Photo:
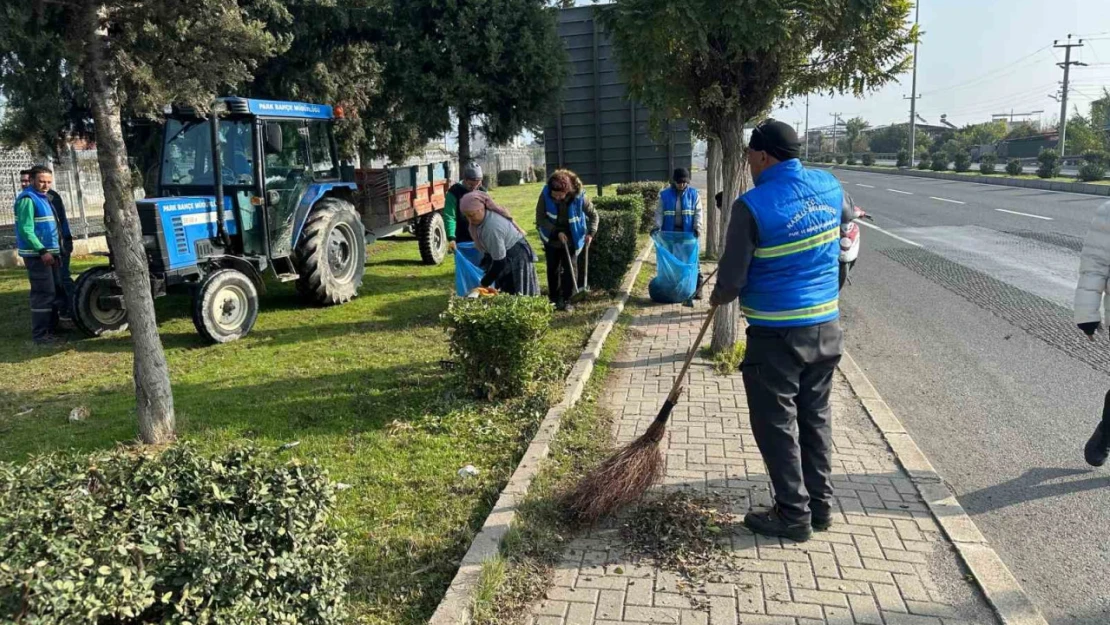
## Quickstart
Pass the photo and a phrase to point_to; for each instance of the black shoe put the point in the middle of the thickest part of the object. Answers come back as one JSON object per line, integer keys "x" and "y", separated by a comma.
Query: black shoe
{"x": 821, "y": 522}
{"x": 1098, "y": 447}
{"x": 49, "y": 341}
{"x": 771, "y": 523}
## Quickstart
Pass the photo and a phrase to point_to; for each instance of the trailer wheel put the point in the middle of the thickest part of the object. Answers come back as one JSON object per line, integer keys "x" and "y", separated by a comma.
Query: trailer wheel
{"x": 225, "y": 306}
{"x": 433, "y": 238}
{"x": 331, "y": 255}
{"x": 88, "y": 315}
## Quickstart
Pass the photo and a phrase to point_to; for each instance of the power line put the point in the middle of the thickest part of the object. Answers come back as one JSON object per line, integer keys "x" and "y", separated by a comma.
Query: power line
{"x": 990, "y": 76}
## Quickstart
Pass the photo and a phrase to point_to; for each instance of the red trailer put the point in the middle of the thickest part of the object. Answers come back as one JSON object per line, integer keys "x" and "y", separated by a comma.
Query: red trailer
{"x": 406, "y": 199}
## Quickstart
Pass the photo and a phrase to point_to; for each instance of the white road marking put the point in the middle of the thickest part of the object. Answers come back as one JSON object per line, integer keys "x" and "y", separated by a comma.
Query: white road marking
{"x": 897, "y": 191}
{"x": 1003, "y": 210}
{"x": 888, "y": 233}
{"x": 944, "y": 199}
{"x": 866, "y": 186}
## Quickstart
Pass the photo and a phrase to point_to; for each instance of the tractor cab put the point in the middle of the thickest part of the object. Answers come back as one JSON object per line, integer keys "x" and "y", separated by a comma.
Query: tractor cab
{"x": 287, "y": 209}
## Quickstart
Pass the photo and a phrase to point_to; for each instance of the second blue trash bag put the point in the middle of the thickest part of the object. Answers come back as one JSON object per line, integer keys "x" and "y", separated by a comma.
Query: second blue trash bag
{"x": 676, "y": 256}
{"x": 468, "y": 272}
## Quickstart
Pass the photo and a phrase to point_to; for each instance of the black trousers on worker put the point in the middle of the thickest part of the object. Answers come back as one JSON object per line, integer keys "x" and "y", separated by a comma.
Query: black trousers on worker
{"x": 49, "y": 299}
{"x": 560, "y": 284}
{"x": 788, "y": 375}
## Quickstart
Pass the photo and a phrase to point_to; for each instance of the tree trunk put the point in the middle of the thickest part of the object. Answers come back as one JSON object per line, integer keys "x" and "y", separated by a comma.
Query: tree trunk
{"x": 464, "y": 138}
{"x": 713, "y": 214}
{"x": 737, "y": 179}
{"x": 154, "y": 398}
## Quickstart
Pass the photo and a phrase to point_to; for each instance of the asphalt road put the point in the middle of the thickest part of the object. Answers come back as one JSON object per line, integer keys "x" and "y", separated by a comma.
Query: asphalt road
{"x": 960, "y": 313}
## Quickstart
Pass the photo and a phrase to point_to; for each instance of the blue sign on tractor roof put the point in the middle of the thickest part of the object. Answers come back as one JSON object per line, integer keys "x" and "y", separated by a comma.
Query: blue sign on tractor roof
{"x": 276, "y": 108}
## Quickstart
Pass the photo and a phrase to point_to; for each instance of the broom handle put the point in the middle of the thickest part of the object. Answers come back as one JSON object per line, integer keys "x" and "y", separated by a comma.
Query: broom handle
{"x": 676, "y": 390}
{"x": 571, "y": 263}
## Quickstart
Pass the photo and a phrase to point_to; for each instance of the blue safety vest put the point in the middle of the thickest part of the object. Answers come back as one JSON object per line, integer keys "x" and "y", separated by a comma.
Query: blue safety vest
{"x": 46, "y": 225}
{"x": 792, "y": 280}
{"x": 576, "y": 215}
{"x": 676, "y": 219}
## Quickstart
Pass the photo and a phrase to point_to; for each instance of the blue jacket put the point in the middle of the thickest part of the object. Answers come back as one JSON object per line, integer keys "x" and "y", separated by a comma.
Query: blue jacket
{"x": 674, "y": 218}
{"x": 44, "y": 226}
{"x": 792, "y": 280}
{"x": 576, "y": 215}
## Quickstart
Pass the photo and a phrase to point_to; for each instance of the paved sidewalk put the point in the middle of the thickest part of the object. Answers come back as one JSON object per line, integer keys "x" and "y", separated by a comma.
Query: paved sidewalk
{"x": 884, "y": 562}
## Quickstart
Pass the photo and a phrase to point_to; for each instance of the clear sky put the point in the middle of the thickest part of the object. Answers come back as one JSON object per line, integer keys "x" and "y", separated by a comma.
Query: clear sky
{"x": 979, "y": 57}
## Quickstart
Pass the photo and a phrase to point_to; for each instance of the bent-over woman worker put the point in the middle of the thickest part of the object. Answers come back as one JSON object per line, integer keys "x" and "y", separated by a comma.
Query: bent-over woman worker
{"x": 509, "y": 268}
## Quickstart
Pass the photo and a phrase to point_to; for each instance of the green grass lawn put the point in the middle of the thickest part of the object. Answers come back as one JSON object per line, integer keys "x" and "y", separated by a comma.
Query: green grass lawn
{"x": 359, "y": 385}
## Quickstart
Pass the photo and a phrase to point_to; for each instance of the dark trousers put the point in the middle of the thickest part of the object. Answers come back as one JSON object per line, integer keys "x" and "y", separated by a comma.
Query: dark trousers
{"x": 48, "y": 296}
{"x": 788, "y": 375}
{"x": 68, "y": 286}
{"x": 560, "y": 284}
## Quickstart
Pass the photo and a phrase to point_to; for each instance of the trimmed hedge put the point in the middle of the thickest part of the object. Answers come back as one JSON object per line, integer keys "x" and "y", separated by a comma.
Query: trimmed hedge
{"x": 509, "y": 177}
{"x": 903, "y": 158}
{"x": 169, "y": 537}
{"x": 1094, "y": 166}
{"x": 839, "y": 159}
{"x": 1014, "y": 167}
{"x": 496, "y": 342}
{"x": 962, "y": 161}
{"x": 614, "y": 247}
{"x": 1050, "y": 163}
{"x": 940, "y": 162}
{"x": 851, "y": 159}
{"x": 923, "y": 164}
{"x": 539, "y": 174}
{"x": 986, "y": 164}
{"x": 649, "y": 190}
{"x": 868, "y": 159}
{"x": 623, "y": 203}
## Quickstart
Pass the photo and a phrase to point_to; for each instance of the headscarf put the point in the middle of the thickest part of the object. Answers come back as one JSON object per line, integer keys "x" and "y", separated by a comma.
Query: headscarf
{"x": 473, "y": 200}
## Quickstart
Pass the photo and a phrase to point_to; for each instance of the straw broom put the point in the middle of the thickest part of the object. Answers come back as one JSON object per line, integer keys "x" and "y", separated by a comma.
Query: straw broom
{"x": 625, "y": 476}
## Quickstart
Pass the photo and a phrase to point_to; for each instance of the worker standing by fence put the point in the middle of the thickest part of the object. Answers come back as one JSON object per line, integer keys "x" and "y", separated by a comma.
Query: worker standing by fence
{"x": 39, "y": 242}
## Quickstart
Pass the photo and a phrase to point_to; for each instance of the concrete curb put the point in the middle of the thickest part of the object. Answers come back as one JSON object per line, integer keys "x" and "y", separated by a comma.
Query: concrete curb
{"x": 1045, "y": 185}
{"x": 9, "y": 259}
{"x": 454, "y": 608}
{"x": 1001, "y": 588}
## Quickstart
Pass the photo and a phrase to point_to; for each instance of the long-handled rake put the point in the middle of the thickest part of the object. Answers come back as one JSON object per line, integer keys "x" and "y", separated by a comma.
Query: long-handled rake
{"x": 571, "y": 262}
{"x": 625, "y": 476}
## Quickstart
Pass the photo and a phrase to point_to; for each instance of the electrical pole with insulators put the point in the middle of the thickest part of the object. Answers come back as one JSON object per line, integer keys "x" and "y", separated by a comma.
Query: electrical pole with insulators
{"x": 1064, "y": 92}
{"x": 836, "y": 120}
{"x": 913, "y": 89}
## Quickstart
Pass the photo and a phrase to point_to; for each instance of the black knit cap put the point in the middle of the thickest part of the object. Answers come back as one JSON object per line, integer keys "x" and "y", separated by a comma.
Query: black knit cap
{"x": 681, "y": 175}
{"x": 777, "y": 139}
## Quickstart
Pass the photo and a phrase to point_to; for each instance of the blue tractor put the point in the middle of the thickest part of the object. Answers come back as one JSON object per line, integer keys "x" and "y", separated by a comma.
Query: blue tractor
{"x": 288, "y": 208}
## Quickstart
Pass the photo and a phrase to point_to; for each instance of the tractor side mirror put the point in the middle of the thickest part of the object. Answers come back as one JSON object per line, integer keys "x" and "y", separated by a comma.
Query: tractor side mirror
{"x": 271, "y": 138}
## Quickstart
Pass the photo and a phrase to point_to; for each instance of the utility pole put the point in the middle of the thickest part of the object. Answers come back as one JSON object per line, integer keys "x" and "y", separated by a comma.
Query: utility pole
{"x": 1064, "y": 95}
{"x": 807, "y": 126}
{"x": 836, "y": 120}
{"x": 913, "y": 89}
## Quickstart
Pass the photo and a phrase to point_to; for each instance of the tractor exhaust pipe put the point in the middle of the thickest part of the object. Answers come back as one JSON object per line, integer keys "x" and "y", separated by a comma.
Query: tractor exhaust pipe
{"x": 217, "y": 173}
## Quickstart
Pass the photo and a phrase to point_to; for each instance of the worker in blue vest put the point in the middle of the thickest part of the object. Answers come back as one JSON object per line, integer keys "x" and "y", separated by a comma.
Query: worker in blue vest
{"x": 39, "y": 240}
{"x": 780, "y": 259}
{"x": 566, "y": 221}
{"x": 679, "y": 210}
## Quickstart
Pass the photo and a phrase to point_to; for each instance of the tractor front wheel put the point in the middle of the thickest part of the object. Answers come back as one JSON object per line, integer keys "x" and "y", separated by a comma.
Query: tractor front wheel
{"x": 89, "y": 314}
{"x": 432, "y": 235}
{"x": 331, "y": 256}
{"x": 225, "y": 306}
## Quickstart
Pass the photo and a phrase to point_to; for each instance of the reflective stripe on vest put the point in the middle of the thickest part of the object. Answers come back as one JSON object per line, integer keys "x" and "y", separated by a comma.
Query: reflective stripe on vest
{"x": 813, "y": 312}
{"x": 798, "y": 246}
{"x": 576, "y": 218}
{"x": 673, "y": 205}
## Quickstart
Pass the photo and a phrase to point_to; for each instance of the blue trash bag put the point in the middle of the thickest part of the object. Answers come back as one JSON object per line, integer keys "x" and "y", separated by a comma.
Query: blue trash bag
{"x": 676, "y": 256}
{"x": 468, "y": 273}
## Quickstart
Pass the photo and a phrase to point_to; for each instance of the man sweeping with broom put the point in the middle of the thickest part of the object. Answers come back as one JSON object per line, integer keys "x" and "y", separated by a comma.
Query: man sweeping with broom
{"x": 780, "y": 259}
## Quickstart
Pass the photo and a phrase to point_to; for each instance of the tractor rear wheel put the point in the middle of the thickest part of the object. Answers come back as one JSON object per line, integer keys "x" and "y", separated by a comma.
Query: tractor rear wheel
{"x": 433, "y": 238}
{"x": 331, "y": 255}
{"x": 225, "y": 306}
{"x": 88, "y": 314}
